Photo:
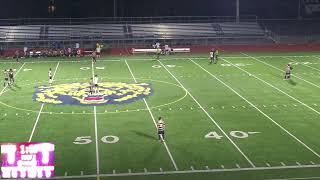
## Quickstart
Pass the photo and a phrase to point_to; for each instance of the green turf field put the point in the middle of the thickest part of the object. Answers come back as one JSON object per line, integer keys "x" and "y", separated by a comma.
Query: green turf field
{"x": 237, "y": 119}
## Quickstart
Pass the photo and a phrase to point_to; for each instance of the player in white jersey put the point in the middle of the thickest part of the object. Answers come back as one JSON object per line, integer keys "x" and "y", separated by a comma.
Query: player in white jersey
{"x": 160, "y": 128}
{"x": 6, "y": 78}
{"x": 211, "y": 56}
{"x": 95, "y": 82}
{"x": 50, "y": 76}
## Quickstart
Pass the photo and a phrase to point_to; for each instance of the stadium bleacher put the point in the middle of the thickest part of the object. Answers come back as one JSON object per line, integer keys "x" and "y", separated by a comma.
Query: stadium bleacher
{"x": 130, "y": 31}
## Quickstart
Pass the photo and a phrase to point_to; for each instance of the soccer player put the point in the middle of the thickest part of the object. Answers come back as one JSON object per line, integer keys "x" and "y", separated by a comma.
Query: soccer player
{"x": 216, "y": 53}
{"x": 6, "y": 78}
{"x": 94, "y": 56}
{"x": 11, "y": 76}
{"x": 211, "y": 56}
{"x": 50, "y": 76}
{"x": 91, "y": 86}
{"x": 160, "y": 127}
{"x": 158, "y": 52}
{"x": 288, "y": 72}
{"x": 16, "y": 53}
{"x": 95, "y": 82}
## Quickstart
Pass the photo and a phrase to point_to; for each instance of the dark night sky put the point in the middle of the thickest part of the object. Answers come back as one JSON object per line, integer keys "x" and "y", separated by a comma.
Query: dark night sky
{"x": 104, "y": 8}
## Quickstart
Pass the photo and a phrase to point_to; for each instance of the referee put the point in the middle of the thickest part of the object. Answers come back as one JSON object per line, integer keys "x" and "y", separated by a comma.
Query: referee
{"x": 160, "y": 127}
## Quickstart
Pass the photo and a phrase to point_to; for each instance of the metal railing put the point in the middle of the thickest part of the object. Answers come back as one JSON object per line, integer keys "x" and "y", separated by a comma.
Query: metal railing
{"x": 126, "y": 20}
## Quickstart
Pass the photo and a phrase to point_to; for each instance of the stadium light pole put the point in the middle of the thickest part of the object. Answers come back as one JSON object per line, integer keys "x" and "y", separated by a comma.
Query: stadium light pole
{"x": 114, "y": 8}
{"x": 237, "y": 10}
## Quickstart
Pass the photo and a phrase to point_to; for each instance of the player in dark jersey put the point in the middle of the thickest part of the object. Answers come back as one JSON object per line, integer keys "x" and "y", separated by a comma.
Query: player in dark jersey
{"x": 91, "y": 86}
{"x": 94, "y": 56}
{"x": 11, "y": 76}
{"x": 160, "y": 128}
{"x": 288, "y": 70}
{"x": 16, "y": 54}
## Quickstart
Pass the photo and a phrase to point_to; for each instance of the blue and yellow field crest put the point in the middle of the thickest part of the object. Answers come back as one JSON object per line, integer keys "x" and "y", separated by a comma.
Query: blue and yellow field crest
{"x": 78, "y": 93}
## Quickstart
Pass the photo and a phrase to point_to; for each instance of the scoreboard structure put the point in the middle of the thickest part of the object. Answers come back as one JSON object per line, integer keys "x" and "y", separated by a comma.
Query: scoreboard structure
{"x": 27, "y": 160}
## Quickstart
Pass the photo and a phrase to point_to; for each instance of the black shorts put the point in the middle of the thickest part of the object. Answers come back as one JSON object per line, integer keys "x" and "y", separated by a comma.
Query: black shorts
{"x": 96, "y": 85}
{"x": 211, "y": 58}
{"x": 11, "y": 76}
{"x": 50, "y": 77}
{"x": 6, "y": 79}
{"x": 161, "y": 133}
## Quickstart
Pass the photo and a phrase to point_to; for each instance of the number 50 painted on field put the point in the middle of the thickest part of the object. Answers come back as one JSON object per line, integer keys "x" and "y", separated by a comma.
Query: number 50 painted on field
{"x": 110, "y": 139}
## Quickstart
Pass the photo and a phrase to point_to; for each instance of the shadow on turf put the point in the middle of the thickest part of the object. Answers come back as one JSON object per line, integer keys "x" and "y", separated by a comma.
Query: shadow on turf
{"x": 145, "y": 135}
{"x": 16, "y": 86}
{"x": 292, "y": 82}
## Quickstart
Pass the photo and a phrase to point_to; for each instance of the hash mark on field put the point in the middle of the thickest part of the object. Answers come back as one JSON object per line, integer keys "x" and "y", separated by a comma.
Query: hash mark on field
{"x": 268, "y": 164}
{"x": 81, "y": 173}
{"x": 238, "y": 166}
{"x": 233, "y": 107}
{"x": 283, "y": 164}
{"x": 129, "y": 170}
{"x": 264, "y": 105}
{"x": 17, "y": 114}
{"x": 66, "y": 174}
{"x": 192, "y": 168}
{"x": 114, "y": 171}
{"x": 222, "y": 107}
{"x": 298, "y": 163}
{"x": 315, "y": 104}
{"x": 294, "y": 105}
{"x": 275, "y": 105}
{"x": 312, "y": 162}
{"x": 222, "y": 166}
{"x": 161, "y": 170}
{"x": 145, "y": 170}
{"x": 243, "y": 106}
{"x": 285, "y": 105}
{"x": 207, "y": 167}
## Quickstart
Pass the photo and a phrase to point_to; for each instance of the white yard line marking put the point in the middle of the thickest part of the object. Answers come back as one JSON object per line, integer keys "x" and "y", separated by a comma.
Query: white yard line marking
{"x": 217, "y": 125}
{"x": 273, "y": 87}
{"x": 153, "y": 119}
{"x": 302, "y": 64}
{"x": 36, "y": 122}
{"x": 301, "y": 178}
{"x": 190, "y": 172}
{"x": 96, "y": 139}
{"x": 41, "y": 108}
{"x": 5, "y": 87}
{"x": 256, "y": 59}
{"x": 264, "y": 114}
{"x": 96, "y": 130}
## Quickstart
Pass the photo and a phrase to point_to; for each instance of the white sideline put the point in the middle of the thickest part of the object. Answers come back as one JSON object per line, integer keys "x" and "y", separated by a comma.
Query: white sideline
{"x": 302, "y": 64}
{"x": 96, "y": 129}
{"x": 154, "y": 121}
{"x": 41, "y": 108}
{"x": 264, "y": 114}
{"x": 190, "y": 171}
{"x": 146, "y": 59}
{"x": 2, "y": 91}
{"x": 256, "y": 59}
{"x": 273, "y": 86}
{"x": 224, "y": 133}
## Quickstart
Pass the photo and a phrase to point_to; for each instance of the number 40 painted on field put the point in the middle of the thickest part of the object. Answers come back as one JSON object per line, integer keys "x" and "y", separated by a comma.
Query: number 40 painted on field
{"x": 105, "y": 139}
{"x": 235, "y": 134}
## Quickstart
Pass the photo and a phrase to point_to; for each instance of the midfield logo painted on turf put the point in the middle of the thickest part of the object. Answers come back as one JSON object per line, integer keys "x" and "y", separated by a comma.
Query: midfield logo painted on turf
{"x": 78, "y": 94}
